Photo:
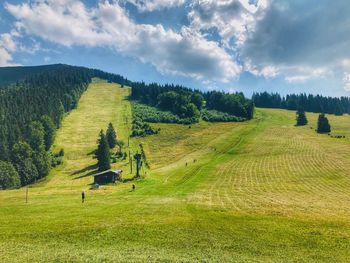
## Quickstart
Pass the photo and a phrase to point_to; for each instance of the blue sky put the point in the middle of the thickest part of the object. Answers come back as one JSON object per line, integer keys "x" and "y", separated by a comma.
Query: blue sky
{"x": 232, "y": 45}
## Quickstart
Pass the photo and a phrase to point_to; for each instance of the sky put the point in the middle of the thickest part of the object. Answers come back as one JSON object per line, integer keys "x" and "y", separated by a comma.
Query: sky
{"x": 284, "y": 46}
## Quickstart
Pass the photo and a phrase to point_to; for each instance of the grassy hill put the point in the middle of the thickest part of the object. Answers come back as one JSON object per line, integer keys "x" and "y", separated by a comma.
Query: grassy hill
{"x": 256, "y": 191}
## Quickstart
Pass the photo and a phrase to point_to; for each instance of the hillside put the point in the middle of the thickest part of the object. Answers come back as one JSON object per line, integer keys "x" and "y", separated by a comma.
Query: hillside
{"x": 257, "y": 191}
{"x": 9, "y": 75}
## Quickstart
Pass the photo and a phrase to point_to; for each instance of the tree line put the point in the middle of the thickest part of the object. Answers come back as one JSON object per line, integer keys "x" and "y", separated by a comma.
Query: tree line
{"x": 32, "y": 107}
{"x": 30, "y": 112}
{"x": 187, "y": 104}
{"x": 311, "y": 103}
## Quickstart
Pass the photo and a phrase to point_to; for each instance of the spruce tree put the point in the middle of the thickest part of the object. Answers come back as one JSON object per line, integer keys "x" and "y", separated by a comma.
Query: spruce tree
{"x": 111, "y": 136}
{"x": 323, "y": 124}
{"x": 301, "y": 118}
{"x": 49, "y": 129}
{"x": 102, "y": 153}
{"x": 36, "y": 136}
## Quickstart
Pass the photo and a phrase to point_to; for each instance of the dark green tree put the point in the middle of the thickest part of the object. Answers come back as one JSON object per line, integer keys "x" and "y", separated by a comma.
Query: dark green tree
{"x": 36, "y": 136}
{"x": 323, "y": 124}
{"x": 27, "y": 171}
{"x": 49, "y": 129}
{"x": 22, "y": 157}
{"x": 338, "y": 109}
{"x": 9, "y": 177}
{"x": 102, "y": 153}
{"x": 198, "y": 100}
{"x": 42, "y": 161}
{"x": 111, "y": 136}
{"x": 60, "y": 114}
{"x": 301, "y": 118}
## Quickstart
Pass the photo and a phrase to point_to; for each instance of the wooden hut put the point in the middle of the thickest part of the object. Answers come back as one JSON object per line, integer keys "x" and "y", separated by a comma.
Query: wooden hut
{"x": 107, "y": 177}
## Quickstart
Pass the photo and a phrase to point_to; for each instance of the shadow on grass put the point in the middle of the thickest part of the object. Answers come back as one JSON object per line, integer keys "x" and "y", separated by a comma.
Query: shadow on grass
{"x": 91, "y": 153}
{"x": 91, "y": 169}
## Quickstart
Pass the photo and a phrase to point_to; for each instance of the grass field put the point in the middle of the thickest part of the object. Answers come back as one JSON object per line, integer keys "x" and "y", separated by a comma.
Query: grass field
{"x": 258, "y": 191}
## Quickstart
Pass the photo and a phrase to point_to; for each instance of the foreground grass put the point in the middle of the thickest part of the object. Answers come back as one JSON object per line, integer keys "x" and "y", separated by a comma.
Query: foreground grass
{"x": 262, "y": 190}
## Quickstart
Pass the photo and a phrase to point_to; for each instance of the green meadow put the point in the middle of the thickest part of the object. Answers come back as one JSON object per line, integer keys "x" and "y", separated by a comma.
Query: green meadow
{"x": 258, "y": 191}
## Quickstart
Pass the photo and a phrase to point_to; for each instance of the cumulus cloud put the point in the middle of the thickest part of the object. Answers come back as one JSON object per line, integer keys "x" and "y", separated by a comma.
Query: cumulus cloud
{"x": 298, "y": 40}
{"x": 232, "y": 18}
{"x": 7, "y": 47}
{"x": 70, "y": 22}
{"x": 152, "y": 5}
{"x": 301, "y": 39}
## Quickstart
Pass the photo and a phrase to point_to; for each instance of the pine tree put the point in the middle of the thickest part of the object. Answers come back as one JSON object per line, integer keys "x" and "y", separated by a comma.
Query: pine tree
{"x": 49, "y": 129}
{"x": 36, "y": 136}
{"x": 102, "y": 153}
{"x": 323, "y": 124}
{"x": 111, "y": 136}
{"x": 301, "y": 118}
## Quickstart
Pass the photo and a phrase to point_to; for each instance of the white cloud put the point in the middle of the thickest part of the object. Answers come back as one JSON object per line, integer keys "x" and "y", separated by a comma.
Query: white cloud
{"x": 7, "y": 47}
{"x": 152, "y": 5}
{"x": 5, "y": 57}
{"x": 66, "y": 22}
{"x": 304, "y": 73}
{"x": 232, "y": 18}
{"x": 346, "y": 81}
{"x": 301, "y": 40}
{"x": 69, "y": 22}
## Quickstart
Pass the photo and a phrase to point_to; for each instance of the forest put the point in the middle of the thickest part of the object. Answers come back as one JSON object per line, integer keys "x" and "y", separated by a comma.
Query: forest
{"x": 30, "y": 112}
{"x": 188, "y": 105}
{"x": 311, "y": 103}
{"x": 33, "y": 101}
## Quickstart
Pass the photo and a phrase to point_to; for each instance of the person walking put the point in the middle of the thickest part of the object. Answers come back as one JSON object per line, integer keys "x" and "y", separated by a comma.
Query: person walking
{"x": 133, "y": 187}
{"x": 82, "y": 196}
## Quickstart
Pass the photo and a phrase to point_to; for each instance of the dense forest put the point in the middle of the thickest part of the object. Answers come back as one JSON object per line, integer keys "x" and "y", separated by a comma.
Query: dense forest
{"x": 10, "y": 75}
{"x": 31, "y": 109}
{"x": 188, "y": 104}
{"x": 311, "y": 103}
{"x": 30, "y": 112}
{"x": 33, "y": 101}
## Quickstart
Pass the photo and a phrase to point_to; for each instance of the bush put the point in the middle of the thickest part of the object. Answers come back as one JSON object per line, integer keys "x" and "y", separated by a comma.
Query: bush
{"x": 9, "y": 177}
{"x": 218, "y": 116}
{"x": 151, "y": 114}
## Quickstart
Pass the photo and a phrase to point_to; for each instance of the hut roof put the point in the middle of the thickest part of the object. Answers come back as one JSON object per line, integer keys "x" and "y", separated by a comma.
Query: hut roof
{"x": 109, "y": 171}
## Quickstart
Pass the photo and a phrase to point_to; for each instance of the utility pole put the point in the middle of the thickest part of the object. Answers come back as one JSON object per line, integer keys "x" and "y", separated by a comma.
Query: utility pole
{"x": 130, "y": 161}
{"x": 138, "y": 160}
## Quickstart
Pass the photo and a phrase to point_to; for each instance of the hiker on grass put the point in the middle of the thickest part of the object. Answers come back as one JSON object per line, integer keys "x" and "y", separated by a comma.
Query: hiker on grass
{"x": 133, "y": 187}
{"x": 82, "y": 196}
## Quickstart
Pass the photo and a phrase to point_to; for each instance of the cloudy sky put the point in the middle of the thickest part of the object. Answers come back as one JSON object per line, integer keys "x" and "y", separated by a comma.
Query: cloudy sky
{"x": 232, "y": 45}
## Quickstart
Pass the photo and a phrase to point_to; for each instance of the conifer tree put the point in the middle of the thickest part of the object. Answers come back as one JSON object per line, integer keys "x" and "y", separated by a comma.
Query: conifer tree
{"x": 36, "y": 136}
{"x": 111, "y": 136}
{"x": 102, "y": 153}
{"x": 301, "y": 118}
{"x": 323, "y": 124}
{"x": 49, "y": 129}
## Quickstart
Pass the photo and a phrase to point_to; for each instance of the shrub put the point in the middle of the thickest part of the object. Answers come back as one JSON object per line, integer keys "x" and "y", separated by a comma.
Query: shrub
{"x": 218, "y": 116}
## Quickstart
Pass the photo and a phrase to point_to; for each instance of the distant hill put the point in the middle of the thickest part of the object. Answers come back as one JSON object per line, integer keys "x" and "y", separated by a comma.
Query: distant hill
{"x": 10, "y": 75}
